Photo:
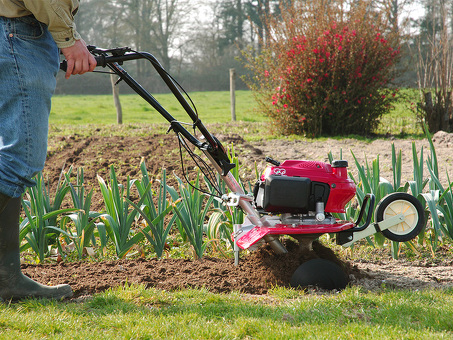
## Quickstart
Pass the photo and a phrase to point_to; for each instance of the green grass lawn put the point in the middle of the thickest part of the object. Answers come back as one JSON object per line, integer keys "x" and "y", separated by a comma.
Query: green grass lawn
{"x": 212, "y": 107}
{"x": 401, "y": 119}
{"x": 138, "y": 313}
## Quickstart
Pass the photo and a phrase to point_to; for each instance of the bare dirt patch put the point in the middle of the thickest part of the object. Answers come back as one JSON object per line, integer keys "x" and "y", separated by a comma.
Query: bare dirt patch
{"x": 259, "y": 271}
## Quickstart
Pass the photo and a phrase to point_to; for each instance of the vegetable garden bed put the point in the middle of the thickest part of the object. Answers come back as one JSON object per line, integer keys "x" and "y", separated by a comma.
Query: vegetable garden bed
{"x": 258, "y": 271}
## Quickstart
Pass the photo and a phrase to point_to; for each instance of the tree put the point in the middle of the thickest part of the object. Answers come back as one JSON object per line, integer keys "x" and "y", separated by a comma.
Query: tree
{"x": 167, "y": 26}
{"x": 98, "y": 23}
{"x": 153, "y": 25}
{"x": 231, "y": 19}
{"x": 435, "y": 68}
{"x": 145, "y": 25}
{"x": 235, "y": 16}
{"x": 394, "y": 12}
{"x": 259, "y": 11}
{"x": 211, "y": 52}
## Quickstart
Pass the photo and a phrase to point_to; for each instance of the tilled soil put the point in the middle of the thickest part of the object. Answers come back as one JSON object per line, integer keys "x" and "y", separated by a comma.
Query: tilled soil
{"x": 260, "y": 270}
{"x": 255, "y": 274}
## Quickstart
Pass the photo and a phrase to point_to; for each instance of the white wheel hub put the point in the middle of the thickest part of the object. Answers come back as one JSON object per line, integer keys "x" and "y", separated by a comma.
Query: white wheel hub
{"x": 408, "y": 210}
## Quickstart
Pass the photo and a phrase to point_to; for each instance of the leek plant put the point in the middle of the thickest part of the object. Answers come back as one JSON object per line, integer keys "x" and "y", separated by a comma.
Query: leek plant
{"x": 219, "y": 227}
{"x": 440, "y": 205}
{"x": 83, "y": 219}
{"x": 153, "y": 210}
{"x": 439, "y": 200}
{"x": 118, "y": 219}
{"x": 191, "y": 212}
{"x": 40, "y": 227}
{"x": 418, "y": 184}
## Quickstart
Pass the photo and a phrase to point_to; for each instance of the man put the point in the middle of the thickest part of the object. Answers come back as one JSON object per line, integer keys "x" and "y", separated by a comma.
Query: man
{"x": 31, "y": 35}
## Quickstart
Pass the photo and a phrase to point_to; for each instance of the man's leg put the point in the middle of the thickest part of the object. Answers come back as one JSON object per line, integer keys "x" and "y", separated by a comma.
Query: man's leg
{"x": 28, "y": 63}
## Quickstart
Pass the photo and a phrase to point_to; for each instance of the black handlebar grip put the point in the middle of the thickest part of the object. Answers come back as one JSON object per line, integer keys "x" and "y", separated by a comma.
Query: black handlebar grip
{"x": 63, "y": 65}
{"x": 100, "y": 60}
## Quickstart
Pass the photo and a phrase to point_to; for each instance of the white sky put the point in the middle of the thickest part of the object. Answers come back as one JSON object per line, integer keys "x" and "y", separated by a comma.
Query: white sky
{"x": 415, "y": 10}
{"x": 203, "y": 12}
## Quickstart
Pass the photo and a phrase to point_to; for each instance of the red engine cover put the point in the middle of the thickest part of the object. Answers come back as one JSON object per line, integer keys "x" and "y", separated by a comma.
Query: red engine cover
{"x": 342, "y": 189}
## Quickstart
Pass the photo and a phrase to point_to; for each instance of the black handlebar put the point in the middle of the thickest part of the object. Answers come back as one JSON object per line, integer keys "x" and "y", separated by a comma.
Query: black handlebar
{"x": 103, "y": 60}
{"x": 103, "y": 56}
{"x": 112, "y": 58}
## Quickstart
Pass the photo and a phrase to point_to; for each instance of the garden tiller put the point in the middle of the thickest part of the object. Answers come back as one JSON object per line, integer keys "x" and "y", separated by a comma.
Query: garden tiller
{"x": 295, "y": 197}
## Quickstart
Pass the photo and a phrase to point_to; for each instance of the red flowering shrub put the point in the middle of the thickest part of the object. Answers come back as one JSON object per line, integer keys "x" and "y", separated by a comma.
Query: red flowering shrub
{"x": 326, "y": 76}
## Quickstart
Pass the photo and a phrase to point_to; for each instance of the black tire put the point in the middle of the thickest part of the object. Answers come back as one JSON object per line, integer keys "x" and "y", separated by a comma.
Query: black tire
{"x": 321, "y": 273}
{"x": 401, "y": 203}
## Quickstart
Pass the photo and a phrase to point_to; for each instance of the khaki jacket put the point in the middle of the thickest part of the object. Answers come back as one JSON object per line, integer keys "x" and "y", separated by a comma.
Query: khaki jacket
{"x": 58, "y": 15}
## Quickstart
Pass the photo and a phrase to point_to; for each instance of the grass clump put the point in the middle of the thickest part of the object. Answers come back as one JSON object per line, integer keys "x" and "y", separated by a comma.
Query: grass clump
{"x": 135, "y": 312}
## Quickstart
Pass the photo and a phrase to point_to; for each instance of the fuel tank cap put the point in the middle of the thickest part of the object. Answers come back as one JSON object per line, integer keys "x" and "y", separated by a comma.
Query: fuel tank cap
{"x": 339, "y": 164}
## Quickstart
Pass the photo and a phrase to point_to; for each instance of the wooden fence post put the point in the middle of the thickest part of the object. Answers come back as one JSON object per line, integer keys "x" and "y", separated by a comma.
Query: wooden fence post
{"x": 116, "y": 100}
{"x": 233, "y": 93}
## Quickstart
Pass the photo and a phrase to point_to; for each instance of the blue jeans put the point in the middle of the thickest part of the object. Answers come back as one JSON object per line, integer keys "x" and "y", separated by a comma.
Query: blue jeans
{"x": 29, "y": 62}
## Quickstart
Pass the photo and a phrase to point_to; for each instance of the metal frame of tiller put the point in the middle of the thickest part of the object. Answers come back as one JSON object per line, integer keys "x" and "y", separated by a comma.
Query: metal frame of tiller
{"x": 257, "y": 227}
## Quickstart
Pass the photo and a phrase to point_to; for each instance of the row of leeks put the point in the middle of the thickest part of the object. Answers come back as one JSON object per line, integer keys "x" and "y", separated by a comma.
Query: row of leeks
{"x": 201, "y": 220}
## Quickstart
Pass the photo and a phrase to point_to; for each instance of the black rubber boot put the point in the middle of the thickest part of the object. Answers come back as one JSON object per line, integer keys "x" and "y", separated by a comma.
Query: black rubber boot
{"x": 13, "y": 284}
{"x": 3, "y": 201}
